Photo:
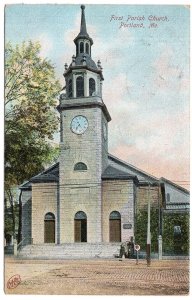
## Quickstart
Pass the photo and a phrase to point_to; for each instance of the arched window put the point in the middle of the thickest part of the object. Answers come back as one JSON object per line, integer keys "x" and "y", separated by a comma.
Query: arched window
{"x": 70, "y": 88}
{"x": 168, "y": 197}
{"x": 81, "y": 47}
{"x": 49, "y": 228}
{"x": 80, "y": 166}
{"x": 115, "y": 215}
{"x": 80, "y": 86}
{"x": 49, "y": 216}
{"x": 80, "y": 224}
{"x": 91, "y": 86}
{"x": 87, "y": 48}
{"x": 115, "y": 227}
{"x": 80, "y": 215}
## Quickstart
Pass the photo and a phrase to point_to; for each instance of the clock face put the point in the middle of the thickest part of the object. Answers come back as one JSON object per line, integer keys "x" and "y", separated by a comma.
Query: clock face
{"x": 79, "y": 124}
{"x": 105, "y": 131}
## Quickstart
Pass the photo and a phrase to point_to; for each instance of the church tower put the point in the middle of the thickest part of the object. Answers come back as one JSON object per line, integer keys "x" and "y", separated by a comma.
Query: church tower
{"x": 83, "y": 144}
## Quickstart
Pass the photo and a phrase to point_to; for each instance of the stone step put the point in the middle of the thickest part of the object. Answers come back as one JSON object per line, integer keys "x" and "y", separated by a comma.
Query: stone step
{"x": 70, "y": 250}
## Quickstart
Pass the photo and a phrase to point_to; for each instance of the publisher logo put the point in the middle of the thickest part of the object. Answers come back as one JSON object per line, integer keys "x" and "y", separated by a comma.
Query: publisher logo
{"x": 14, "y": 281}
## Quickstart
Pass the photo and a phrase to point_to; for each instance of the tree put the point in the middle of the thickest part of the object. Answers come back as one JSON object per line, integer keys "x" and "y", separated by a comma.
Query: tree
{"x": 141, "y": 228}
{"x": 171, "y": 243}
{"x": 30, "y": 115}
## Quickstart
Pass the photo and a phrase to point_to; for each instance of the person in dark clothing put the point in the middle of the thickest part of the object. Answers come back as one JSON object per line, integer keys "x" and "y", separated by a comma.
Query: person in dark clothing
{"x": 122, "y": 250}
{"x": 130, "y": 247}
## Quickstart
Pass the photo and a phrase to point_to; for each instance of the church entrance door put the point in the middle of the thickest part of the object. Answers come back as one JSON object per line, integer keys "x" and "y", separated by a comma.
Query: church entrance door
{"x": 49, "y": 228}
{"x": 80, "y": 227}
{"x": 115, "y": 227}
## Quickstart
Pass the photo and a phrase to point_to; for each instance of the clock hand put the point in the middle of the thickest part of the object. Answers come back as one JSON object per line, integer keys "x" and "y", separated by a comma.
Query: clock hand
{"x": 78, "y": 126}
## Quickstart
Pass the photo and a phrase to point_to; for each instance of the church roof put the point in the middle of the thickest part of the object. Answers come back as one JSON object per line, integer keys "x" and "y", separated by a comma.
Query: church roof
{"x": 51, "y": 174}
{"x": 44, "y": 178}
{"x": 164, "y": 180}
{"x": 117, "y": 169}
{"x": 54, "y": 169}
{"x": 89, "y": 62}
{"x": 142, "y": 176}
{"x": 113, "y": 173}
{"x": 25, "y": 186}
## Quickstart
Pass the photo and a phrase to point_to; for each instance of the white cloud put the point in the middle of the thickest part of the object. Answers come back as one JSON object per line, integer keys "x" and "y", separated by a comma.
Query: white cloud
{"x": 170, "y": 76}
{"x": 46, "y": 43}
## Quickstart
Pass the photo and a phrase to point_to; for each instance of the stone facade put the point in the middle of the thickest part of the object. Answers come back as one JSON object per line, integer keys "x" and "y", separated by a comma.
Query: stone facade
{"x": 44, "y": 200}
{"x": 118, "y": 195}
{"x": 143, "y": 192}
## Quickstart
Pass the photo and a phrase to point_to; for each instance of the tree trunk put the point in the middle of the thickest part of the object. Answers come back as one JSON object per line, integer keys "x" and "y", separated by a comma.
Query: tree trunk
{"x": 12, "y": 209}
{"x": 20, "y": 219}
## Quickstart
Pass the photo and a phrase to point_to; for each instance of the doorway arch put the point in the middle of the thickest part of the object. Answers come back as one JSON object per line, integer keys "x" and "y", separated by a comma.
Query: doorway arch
{"x": 80, "y": 227}
{"x": 115, "y": 226}
{"x": 49, "y": 228}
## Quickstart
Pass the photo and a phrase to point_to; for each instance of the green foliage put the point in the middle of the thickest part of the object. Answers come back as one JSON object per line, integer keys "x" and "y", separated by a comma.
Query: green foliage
{"x": 30, "y": 90}
{"x": 30, "y": 116}
{"x": 141, "y": 229}
{"x": 172, "y": 244}
{"x": 8, "y": 224}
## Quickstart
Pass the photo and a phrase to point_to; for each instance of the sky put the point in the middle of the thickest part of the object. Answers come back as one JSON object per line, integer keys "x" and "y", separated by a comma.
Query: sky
{"x": 146, "y": 72}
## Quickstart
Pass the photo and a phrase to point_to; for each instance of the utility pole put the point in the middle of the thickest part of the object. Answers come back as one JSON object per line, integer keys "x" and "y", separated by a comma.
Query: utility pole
{"x": 160, "y": 252}
{"x": 148, "y": 248}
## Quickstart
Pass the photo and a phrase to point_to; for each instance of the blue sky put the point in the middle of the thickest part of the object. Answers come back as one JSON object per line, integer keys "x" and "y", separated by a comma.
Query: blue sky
{"x": 146, "y": 71}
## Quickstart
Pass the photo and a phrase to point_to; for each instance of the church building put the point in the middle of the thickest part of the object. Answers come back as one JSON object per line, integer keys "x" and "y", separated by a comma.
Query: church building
{"x": 89, "y": 197}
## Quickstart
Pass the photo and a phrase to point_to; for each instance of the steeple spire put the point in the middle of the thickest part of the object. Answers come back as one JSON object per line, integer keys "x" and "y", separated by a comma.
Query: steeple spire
{"x": 83, "y": 29}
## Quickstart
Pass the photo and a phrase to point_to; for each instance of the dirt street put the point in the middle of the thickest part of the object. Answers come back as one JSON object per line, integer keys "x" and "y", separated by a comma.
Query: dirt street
{"x": 96, "y": 277}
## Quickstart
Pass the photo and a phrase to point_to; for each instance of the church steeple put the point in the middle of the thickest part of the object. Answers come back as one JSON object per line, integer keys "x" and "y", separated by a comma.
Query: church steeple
{"x": 83, "y": 76}
{"x": 83, "y": 36}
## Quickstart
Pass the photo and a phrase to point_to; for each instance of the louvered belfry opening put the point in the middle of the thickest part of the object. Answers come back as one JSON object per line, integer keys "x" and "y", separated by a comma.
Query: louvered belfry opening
{"x": 80, "y": 86}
